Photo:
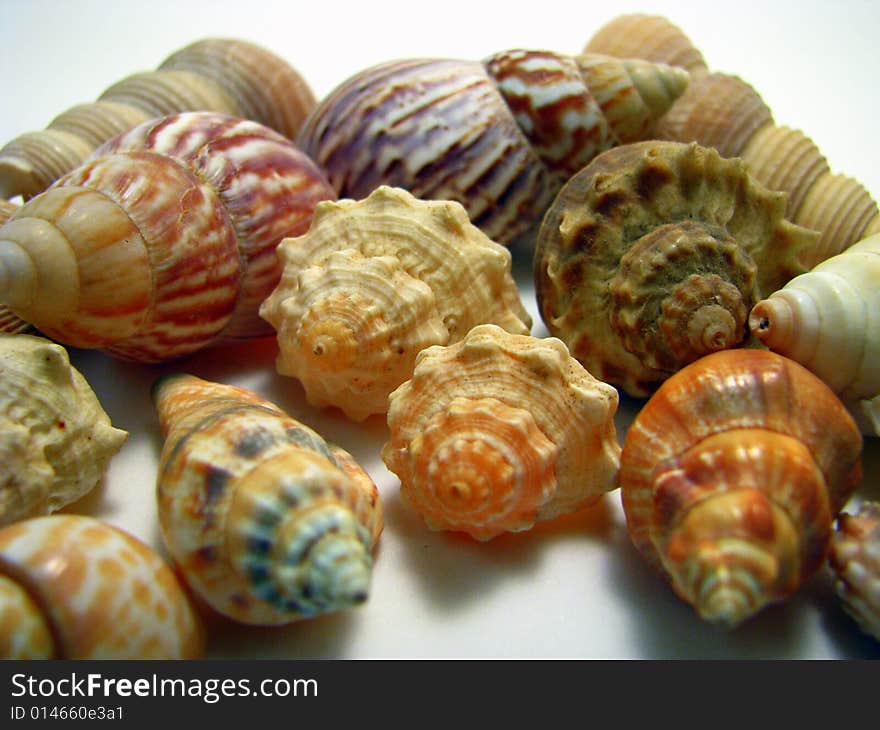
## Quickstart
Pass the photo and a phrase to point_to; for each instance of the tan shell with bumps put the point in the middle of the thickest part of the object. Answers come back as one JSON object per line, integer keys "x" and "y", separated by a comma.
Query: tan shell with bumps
{"x": 374, "y": 282}
{"x": 498, "y": 431}
{"x": 56, "y": 441}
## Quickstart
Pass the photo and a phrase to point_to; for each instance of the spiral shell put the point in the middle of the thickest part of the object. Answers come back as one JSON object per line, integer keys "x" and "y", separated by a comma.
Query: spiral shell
{"x": 267, "y": 522}
{"x": 73, "y": 587}
{"x": 653, "y": 256}
{"x": 500, "y": 430}
{"x": 8, "y": 321}
{"x": 373, "y": 283}
{"x": 828, "y": 319}
{"x": 731, "y": 476}
{"x": 854, "y": 560}
{"x": 166, "y": 243}
{"x": 499, "y": 137}
{"x": 56, "y": 441}
{"x": 224, "y": 75}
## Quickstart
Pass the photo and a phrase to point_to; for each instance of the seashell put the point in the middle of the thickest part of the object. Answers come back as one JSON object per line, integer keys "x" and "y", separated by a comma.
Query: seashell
{"x": 828, "y": 319}
{"x": 653, "y": 255}
{"x": 165, "y": 244}
{"x": 499, "y": 136}
{"x": 267, "y": 522}
{"x": 374, "y": 282}
{"x": 854, "y": 560}
{"x": 56, "y": 441}
{"x": 731, "y": 476}
{"x": 500, "y": 430}
{"x": 8, "y": 321}
{"x": 73, "y": 587}
{"x": 223, "y": 75}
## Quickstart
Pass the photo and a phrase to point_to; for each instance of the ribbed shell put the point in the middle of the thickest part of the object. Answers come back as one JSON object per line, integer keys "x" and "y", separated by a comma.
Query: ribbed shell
{"x": 72, "y": 587}
{"x": 498, "y": 431}
{"x": 374, "y": 282}
{"x": 653, "y": 255}
{"x": 731, "y": 476}
{"x": 267, "y": 522}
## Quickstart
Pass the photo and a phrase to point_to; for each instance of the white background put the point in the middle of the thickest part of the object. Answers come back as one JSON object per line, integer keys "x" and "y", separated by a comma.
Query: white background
{"x": 571, "y": 588}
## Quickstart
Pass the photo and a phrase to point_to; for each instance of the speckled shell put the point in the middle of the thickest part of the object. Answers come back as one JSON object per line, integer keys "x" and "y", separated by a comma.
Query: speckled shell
{"x": 854, "y": 560}
{"x": 731, "y": 476}
{"x": 653, "y": 255}
{"x": 374, "y": 282}
{"x": 224, "y": 75}
{"x": 73, "y": 587}
{"x": 498, "y": 431}
{"x": 163, "y": 245}
{"x": 498, "y": 136}
{"x": 267, "y": 522}
{"x": 56, "y": 441}
{"x": 828, "y": 319}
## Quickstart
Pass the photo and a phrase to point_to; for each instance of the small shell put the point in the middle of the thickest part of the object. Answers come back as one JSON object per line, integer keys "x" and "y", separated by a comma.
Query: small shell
{"x": 731, "y": 476}
{"x": 72, "y": 587}
{"x": 267, "y": 522}
{"x": 374, "y": 282}
{"x": 56, "y": 441}
{"x": 828, "y": 320}
{"x": 854, "y": 560}
{"x": 500, "y": 430}
{"x": 654, "y": 254}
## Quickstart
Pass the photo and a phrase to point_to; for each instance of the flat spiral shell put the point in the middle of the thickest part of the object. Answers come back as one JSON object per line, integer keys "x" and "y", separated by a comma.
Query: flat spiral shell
{"x": 267, "y": 522}
{"x": 500, "y": 430}
{"x": 731, "y": 476}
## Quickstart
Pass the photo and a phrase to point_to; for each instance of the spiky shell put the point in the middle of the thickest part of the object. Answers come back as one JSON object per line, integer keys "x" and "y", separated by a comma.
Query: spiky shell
{"x": 498, "y": 431}
{"x": 653, "y": 255}
{"x": 267, "y": 522}
{"x": 56, "y": 441}
{"x": 499, "y": 137}
{"x": 73, "y": 587}
{"x": 731, "y": 476}
{"x": 374, "y": 282}
{"x": 828, "y": 319}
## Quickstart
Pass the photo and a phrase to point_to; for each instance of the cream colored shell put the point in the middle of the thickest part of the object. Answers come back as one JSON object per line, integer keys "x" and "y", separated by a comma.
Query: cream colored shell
{"x": 374, "y": 282}
{"x": 498, "y": 431}
{"x": 56, "y": 440}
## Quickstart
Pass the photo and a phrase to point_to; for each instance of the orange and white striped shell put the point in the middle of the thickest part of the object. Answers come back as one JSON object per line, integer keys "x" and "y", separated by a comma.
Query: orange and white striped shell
{"x": 162, "y": 247}
{"x": 500, "y": 430}
{"x": 731, "y": 476}
{"x": 374, "y": 282}
{"x": 267, "y": 522}
{"x": 73, "y": 587}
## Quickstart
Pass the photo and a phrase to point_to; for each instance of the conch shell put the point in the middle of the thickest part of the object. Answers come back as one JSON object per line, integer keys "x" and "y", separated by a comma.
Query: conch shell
{"x": 498, "y": 136}
{"x": 165, "y": 246}
{"x": 267, "y": 522}
{"x": 376, "y": 281}
{"x": 731, "y": 476}
{"x": 73, "y": 587}
{"x": 828, "y": 319}
{"x": 653, "y": 255}
{"x": 56, "y": 441}
{"x": 498, "y": 431}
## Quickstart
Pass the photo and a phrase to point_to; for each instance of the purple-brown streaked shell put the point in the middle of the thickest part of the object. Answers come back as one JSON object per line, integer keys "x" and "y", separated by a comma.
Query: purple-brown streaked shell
{"x": 498, "y": 136}
{"x": 164, "y": 242}
{"x": 73, "y": 587}
{"x": 500, "y": 430}
{"x": 731, "y": 476}
{"x": 267, "y": 522}
{"x": 654, "y": 254}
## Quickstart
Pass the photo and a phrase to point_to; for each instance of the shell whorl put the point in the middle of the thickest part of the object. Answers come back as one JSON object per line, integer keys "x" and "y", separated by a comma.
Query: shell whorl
{"x": 268, "y": 522}
{"x": 9, "y": 322}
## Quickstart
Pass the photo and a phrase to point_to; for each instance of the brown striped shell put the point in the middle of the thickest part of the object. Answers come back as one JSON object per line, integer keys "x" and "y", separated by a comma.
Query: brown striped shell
{"x": 499, "y": 137}
{"x": 164, "y": 244}
{"x": 731, "y": 476}
{"x": 267, "y": 522}
{"x": 73, "y": 587}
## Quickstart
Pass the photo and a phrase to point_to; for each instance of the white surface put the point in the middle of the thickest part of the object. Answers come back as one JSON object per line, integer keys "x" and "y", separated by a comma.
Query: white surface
{"x": 572, "y": 588}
